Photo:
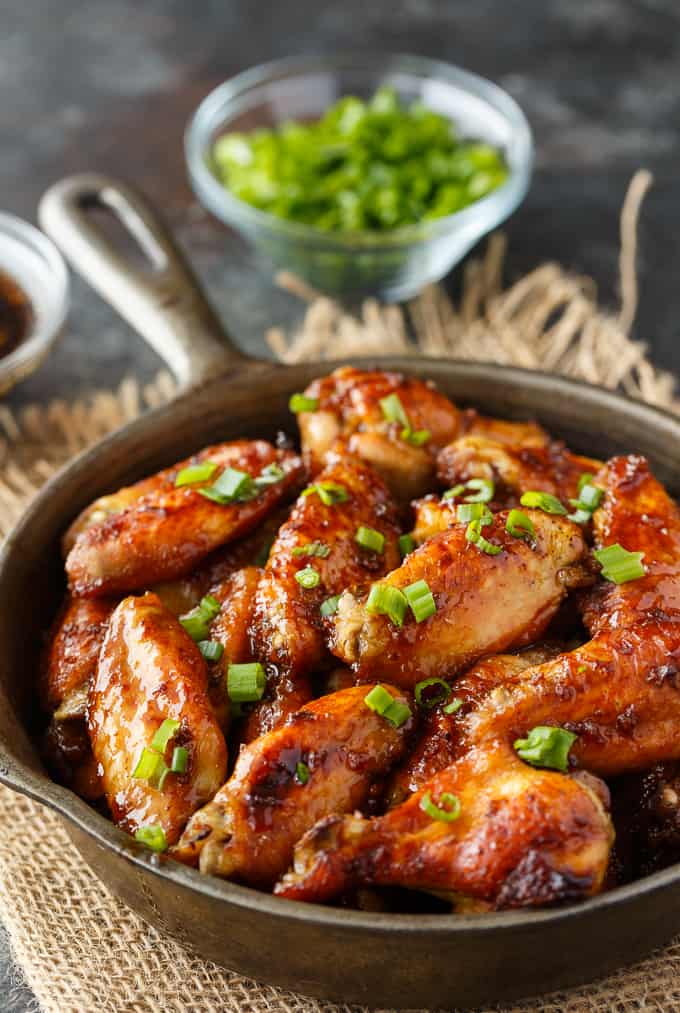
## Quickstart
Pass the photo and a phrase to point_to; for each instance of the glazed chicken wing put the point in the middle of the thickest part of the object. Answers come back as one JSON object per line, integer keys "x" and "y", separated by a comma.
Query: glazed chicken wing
{"x": 164, "y": 533}
{"x": 349, "y": 409}
{"x": 149, "y": 671}
{"x": 512, "y": 434}
{"x": 484, "y": 603}
{"x": 323, "y": 760}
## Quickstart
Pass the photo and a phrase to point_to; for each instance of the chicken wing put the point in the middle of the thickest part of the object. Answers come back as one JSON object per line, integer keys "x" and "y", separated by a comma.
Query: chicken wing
{"x": 512, "y": 434}
{"x": 323, "y": 760}
{"x": 164, "y": 533}
{"x": 484, "y": 603}
{"x": 523, "y": 837}
{"x": 348, "y": 409}
{"x": 150, "y": 670}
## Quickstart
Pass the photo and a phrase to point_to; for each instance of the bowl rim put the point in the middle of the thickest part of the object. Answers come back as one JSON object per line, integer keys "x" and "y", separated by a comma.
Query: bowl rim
{"x": 488, "y": 210}
{"x": 36, "y": 783}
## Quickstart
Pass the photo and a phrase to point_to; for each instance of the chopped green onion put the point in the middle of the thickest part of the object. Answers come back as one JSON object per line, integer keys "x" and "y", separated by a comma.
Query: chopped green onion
{"x": 421, "y": 600}
{"x": 384, "y": 704}
{"x": 328, "y": 492}
{"x": 270, "y": 475}
{"x": 180, "y": 760}
{"x": 211, "y": 650}
{"x": 369, "y": 538}
{"x": 233, "y": 483}
{"x": 454, "y": 706}
{"x": 406, "y": 544}
{"x": 196, "y": 473}
{"x": 457, "y": 490}
{"x": 546, "y": 746}
{"x": 448, "y": 809}
{"x": 301, "y": 403}
{"x": 466, "y": 512}
{"x": 312, "y": 549}
{"x": 387, "y": 600}
{"x": 330, "y": 606}
{"x": 301, "y": 772}
{"x": 153, "y": 837}
{"x": 585, "y": 479}
{"x": 197, "y": 621}
{"x": 417, "y": 438}
{"x": 544, "y": 501}
{"x": 590, "y": 497}
{"x": 519, "y": 525}
{"x": 263, "y": 553}
{"x": 474, "y": 534}
{"x": 485, "y": 491}
{"x": 430, "y": 700}
{"x": 246, "y": 683}
{"x": 580, "y": 516}
{"x": 150, "y": 766}
{"x": 308, "y": 578}
{"x": 164, "y": 734}
{"x": 393, "y": 410}
{"x": 619, "y": 565}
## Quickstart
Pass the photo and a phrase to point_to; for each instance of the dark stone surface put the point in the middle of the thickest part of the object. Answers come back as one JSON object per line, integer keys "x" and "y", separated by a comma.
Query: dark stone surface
{"x": 109, "y": 85}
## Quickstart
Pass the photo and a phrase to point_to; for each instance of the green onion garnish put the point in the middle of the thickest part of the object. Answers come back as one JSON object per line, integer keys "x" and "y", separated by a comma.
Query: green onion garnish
{"x": 232, "y": 483}
{"x": 485, "y": 490}
{"x": 619, "y": 565}
{"x": 590, "y": 497}
{"x": 153, "y": 837}
{"x": 263, "y": 553}
{"x": 384, "y": 704}
{"x": 197, "y": 621}
{"x": 429, "y": 700}
{"x": 421, "y": 600}
{"x": 393, "y": 410}
{"x": 246, "y": 683}
{"x": 546, "y": 746}
{"x": 474, "y": 534}
{"x": 519, "y": 525}
{"x": 406, "y": 544}
{"x": 308, "y": 578}
{"x": 301, "y": 772}
{"x": 386, "y": 600}
{"x": 301, "y": 403}
{"x": 329, "y": 493}
{"x": 544, "y": 501}
{"x": 196, "y": 473}
{"x": 150, "y": 766}
{"x": 417, "y": 438}
{"x": 456, "y": 490}
{"x": 312, "y": 549}
{"x": 330, "y": 606}
{"x": 448, "y": 809}
{"x": 211, "y": 650}
{"x": 466, "y": 512}
{"x": 163, "y": 735}
{"x": 180, "y": 760}
{"x": 369, "y": 538}
{"x": 585, "y": 479}
{"x": 454, "y": 706}
{"x": 270, "y": 475}
{"x": 580, "y": 516}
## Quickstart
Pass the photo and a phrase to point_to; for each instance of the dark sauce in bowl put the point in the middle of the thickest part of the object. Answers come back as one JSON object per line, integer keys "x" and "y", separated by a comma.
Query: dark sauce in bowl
{"x": 16, "y": 314}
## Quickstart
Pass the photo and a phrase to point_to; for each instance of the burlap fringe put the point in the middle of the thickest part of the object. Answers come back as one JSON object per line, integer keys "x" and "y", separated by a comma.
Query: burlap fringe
{"x": 80, "y": 949}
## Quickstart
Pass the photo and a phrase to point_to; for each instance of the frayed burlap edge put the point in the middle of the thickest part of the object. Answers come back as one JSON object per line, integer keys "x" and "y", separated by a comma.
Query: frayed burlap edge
{"x": 78, "y": 947}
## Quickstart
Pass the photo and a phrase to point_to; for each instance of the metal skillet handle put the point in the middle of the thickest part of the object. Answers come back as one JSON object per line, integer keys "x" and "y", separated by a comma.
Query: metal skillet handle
{"x": 162, "y": 301}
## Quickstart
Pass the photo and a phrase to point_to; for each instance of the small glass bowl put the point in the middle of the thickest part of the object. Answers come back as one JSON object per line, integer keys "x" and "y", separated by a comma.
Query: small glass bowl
{"x": 34, "y": 263}
{"x": 390, "y": 265}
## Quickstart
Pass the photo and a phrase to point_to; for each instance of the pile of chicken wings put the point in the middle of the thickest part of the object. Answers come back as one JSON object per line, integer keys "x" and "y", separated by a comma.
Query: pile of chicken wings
{"x": 434, "y": 651}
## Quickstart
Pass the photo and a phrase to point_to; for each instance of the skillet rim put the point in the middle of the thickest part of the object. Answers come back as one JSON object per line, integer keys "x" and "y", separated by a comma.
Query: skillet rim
{"x": 36, "y": 784}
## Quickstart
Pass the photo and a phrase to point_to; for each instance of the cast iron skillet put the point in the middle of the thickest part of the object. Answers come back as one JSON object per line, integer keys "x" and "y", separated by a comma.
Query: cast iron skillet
{"x": 378, "y": 959}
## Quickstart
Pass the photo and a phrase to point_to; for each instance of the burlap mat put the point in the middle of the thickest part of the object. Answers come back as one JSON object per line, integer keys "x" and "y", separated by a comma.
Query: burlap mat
{"x": 79, "y": 948}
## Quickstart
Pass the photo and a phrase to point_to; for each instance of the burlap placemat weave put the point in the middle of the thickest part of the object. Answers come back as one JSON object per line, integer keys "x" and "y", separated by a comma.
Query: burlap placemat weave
{"x": 79, "y": 948}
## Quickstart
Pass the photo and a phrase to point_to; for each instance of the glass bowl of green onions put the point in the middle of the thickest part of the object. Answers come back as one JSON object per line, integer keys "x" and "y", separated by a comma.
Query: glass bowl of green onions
{"x": 362, "y": 173}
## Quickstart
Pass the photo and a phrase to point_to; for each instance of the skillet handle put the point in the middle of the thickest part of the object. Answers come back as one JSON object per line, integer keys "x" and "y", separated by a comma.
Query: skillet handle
{"x": 162, "y": 300}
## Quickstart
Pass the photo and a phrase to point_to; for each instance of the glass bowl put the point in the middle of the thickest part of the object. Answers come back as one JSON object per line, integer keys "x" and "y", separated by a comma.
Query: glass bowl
{"x": 390, "y": 265}
{"x": 34, "y": 263}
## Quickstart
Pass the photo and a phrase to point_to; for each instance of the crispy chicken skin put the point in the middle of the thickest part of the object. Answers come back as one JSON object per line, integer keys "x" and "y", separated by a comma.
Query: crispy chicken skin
{"x": 288, "y": 628}
{"x": 248, "y": 831}
{"x": 485, "y": 603}
{"x": 167, "y": 531}
{"x": 512, "y": 434}
{"x": 524, "y": 837}
{"x": 149, "y": 670}
{"x": 349, "y": 410}
{"x": 71, "y": 654}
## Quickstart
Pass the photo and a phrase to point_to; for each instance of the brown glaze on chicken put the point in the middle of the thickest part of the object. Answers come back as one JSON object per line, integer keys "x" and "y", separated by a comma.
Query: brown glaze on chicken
{"x": 248, "y": 831}
{"x": 511, "y": 434}
{"x": 485, "y": 603}
{"x": 164, "y": 533}
{"x": 149, "y": 670}
{"x": 71, "y": 653}
{"x": 349, "y": 410}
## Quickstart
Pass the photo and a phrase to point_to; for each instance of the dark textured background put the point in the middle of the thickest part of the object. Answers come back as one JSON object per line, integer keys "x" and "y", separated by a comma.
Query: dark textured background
{"x": 110, "y": 85}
